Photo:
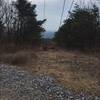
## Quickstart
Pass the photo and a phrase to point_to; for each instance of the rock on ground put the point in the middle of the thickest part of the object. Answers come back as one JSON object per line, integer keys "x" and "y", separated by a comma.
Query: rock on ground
{"x": 16, "y": 84}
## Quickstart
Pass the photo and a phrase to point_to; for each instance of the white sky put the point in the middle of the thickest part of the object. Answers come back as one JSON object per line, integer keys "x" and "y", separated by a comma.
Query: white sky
{"x": 53, "y": 11}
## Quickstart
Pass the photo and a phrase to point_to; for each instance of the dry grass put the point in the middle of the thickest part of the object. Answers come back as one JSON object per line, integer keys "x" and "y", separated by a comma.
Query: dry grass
{"x": 20, "y": 58}
{"x": 74, "y": 70}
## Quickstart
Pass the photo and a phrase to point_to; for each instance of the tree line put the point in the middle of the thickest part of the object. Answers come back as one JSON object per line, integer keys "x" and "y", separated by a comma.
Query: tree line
{"x": 18, "y": 23}
{"x": 81, "y": 29}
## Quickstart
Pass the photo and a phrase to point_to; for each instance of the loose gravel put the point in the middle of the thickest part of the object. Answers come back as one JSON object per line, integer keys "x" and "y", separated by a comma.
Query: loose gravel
{"x": 16, "y": 84}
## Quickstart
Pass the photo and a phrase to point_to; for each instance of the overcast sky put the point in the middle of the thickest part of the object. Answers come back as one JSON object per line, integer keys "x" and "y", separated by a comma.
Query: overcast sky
{"x": 53, "y": 11}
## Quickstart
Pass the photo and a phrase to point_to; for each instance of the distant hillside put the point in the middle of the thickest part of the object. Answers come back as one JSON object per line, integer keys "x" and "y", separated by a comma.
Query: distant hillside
{"x": 48, "y": 35}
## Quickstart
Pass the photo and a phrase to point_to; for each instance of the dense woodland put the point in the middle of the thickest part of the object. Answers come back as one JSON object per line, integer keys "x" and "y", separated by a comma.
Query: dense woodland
{"x": 81, "y": 29}
{"x": 18, "y": 23}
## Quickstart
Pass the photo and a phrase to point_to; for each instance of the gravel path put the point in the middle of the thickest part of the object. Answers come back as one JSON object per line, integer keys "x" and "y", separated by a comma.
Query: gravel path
{"x": 16, "y": 84}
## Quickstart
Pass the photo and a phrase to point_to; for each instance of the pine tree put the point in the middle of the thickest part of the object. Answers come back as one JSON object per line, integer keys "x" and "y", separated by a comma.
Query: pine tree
{"x": 81, "y": 29}
{"x": 1, "y": 30}
{"x": 1, "y": 15}
{"x": 29, "y": 29}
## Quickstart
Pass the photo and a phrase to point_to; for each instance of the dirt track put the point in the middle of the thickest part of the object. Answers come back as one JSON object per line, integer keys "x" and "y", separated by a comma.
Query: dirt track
{"x": 17, "y": 84}
{"x": 73, "y": 70}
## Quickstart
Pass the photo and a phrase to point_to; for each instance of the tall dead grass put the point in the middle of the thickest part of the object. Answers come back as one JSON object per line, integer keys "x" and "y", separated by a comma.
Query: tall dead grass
{"x": 20, "y": 58}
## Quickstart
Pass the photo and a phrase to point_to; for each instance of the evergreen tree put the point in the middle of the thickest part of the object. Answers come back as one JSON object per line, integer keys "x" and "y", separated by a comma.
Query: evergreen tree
{"x": 1, "y": 15}
{"x": 1, "y": 29}
{"x": 81, "y": 29}
{"x": 29, "y": 29}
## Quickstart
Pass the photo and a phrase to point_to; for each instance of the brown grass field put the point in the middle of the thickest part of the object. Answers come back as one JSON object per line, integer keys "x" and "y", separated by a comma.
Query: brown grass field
{"x": 74, "y": 70}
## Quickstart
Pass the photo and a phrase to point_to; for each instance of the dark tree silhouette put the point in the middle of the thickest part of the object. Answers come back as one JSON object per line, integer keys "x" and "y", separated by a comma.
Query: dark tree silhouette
{"x": 29, "y": 29}
{"x": 1, "y": 18}
{"x": 1, "y": 29}
{"x": 81, "y": 29}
